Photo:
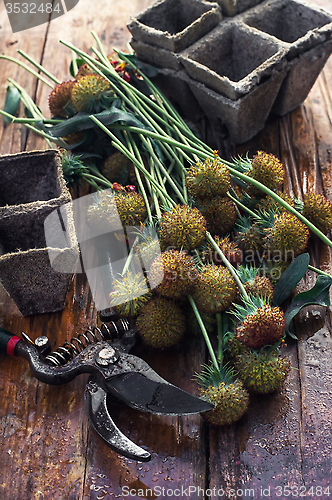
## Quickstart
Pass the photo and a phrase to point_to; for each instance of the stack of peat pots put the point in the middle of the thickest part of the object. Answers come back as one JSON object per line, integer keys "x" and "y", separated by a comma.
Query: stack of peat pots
{"x": 32, "y": 188}
{"x": 235, "y": 61}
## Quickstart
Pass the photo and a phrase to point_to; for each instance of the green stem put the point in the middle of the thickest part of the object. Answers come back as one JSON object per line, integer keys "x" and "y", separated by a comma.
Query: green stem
{"x": 220, "y": 338}
{"x": 204, "y": 332}
{"x": 319, "y": 271}
{"x": 118, "y": 145}
{"x": 34, "y": 73}
{"x": 133, "y": 149}
{"x": 43, "y": 70}
{"x": 74, "y": 62}
{"x": 241, "y": 205}
{"x": 229, "y": 266}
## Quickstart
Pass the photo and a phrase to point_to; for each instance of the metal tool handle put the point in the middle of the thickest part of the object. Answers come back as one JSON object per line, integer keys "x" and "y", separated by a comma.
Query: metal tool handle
{"x": 8, "y": 342}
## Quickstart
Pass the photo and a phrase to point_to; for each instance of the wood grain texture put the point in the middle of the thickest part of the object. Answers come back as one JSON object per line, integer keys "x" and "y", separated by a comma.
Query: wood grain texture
{"x": 48, "y": 451}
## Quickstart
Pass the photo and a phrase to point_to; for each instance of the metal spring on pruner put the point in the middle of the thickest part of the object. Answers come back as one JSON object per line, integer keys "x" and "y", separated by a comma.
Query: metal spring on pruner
{"x": 70, "y": 349}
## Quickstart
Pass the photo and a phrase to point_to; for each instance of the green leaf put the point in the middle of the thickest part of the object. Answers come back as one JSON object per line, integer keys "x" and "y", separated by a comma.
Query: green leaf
{"x": 12, "y": 102}
{"x": 82, "y": 121}
{"x": 290, "y": 278}
{"x": 318, "y": 295}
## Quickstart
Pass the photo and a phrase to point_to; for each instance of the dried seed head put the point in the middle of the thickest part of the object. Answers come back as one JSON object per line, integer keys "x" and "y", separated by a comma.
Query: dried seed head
{"x": 269, "y": 204}
{"x": 88, "y": 90}
{"x": 208, "y": 179}
{"x": 262, "y": 286}
{"x": 161, "y": 323}
{"x": 261, "y": 372}
{"x": 262, "y": 326}
{"x": 220, "y": 214}
{"x": 248, "y": 236}
{"x": 318, "y": 210}
{"x": 267, "y": 169}
{"x": 215, "y": 289}
{"x": 116, "y": 168}
{"x": 103, "y": 213}
{"x": 228, "y": 247}
{"x": 131, "y": 208}
{"x": 175, "y": 272}
{"x": 288, "y": 236}
{"x": 59, "y": 98}
{"x": 183, "y": 228}
{"x": 231, "y": 402}
{"x": 130, "y": 293}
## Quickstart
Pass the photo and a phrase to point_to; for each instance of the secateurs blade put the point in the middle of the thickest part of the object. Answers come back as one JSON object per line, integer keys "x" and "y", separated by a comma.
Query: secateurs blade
{"x": 115, "y": 374}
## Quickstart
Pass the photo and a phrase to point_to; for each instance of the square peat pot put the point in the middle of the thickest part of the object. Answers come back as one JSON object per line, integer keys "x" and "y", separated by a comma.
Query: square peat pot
{"x": 158, "y": 57}
{"x": 32, "y": 186}
{"x": 233, "y": 59}
{"x": 306, "y": 33}
{"x": 175, "y": 86}
{"x": 173, "y": 25}
{"x": 243, "y": 117}
{"x": 233, "y": 7}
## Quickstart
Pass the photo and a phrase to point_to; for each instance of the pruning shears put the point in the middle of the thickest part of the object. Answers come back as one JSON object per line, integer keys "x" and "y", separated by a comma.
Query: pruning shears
{"x": 114, "y": 373}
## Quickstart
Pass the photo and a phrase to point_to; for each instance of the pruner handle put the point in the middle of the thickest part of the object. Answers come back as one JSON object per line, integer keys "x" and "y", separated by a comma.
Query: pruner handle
{"x": 8, "y": 342}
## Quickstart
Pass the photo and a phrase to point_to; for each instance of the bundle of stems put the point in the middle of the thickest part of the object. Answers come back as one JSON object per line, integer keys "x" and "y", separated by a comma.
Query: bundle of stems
{"x": 163, "y": 138}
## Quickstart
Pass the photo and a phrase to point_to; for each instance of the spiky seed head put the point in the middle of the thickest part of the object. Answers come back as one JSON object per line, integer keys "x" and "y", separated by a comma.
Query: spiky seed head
{"x": 262, "y": 372}
{"x": 318, "y": 210}
{"x": 131, "y": 208}
{"x": 261, "y": 286}
{"x": 146, "y": 252}
{"x": 220, "y": 214}
{"x": 231, "y": 402}
{"x": 255, "y": 283}
{"x": 267, "y": 169}
{"x": 130, "y": 293}
{"x": 102, "y": 213}
{"x": 260, "y": 324}
{"x": 288, "y": 237}
{"x": 228, "y": 247}
{"x": 116, "y": 168}
{"x": 248, "y": 236}
{"x": 161, "y": 323}
{"x": 234, "y": 348}
{"x": 59, "y": 98}
{"x": 208, "y": 179}
{"x": 269, "y": 204}
{"x": 84, "y": 70}
{"x": 215, "y": 289}
{"x": 88, "y": 90}
{"x": 182, "y": 228}
{"x": 175, "y": 272}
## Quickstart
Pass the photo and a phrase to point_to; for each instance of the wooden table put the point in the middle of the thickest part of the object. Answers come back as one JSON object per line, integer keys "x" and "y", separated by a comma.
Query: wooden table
{"x": 48, "y": 449}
